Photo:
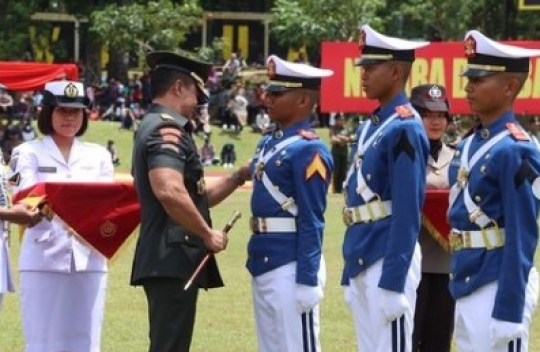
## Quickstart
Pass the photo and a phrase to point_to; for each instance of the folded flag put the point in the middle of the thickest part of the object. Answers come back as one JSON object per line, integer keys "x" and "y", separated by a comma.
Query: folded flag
{"x": 434, "y": 217}
{"x": 103, "y": 215}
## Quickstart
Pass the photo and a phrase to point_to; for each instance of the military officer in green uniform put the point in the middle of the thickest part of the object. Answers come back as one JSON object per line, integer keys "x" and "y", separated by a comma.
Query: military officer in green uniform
{"x": 176, "y": 230}
{"x": 340, "y": 139}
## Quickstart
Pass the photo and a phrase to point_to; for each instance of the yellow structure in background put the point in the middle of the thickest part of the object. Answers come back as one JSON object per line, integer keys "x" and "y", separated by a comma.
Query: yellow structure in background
{"x": 240, "y": 38}
{"x": 228, "y": 40}
{"x": 293, "y": 54}
{"x": 529, "y": 5}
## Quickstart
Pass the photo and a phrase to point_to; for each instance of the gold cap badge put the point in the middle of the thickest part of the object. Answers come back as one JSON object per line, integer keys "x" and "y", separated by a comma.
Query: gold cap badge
{"x": 71, "y": 91}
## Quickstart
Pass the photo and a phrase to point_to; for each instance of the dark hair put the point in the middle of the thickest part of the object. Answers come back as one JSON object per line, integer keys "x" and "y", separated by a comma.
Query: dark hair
{"x": 13, "y": 130}
{"x": 44, "y": 121}
{"x": 162, "y": 80}
{"x": 422, "y": 110}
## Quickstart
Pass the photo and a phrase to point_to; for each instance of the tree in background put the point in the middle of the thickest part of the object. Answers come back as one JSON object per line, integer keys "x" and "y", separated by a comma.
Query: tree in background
{"x": 309, "y": 22}
{"x": 14, "y": 23}
{"x": 154, "y": 25}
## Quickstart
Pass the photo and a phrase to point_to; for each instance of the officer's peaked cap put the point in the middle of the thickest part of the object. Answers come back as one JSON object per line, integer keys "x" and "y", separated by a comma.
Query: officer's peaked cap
{"x": 285, "y": 75}
{"x": 70, "y": 94}
{"x": 430, "y": 97}
{"x": 376, "y": 48}
{"x": 198, "y": 70}
{"x": 486, "y": 56}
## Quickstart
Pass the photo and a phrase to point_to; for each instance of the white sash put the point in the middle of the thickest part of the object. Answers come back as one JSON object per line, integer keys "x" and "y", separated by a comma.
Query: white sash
{"x": 475, "y": 213}
{"x": 356, "y": 163}
{"x": 286, "y": 203}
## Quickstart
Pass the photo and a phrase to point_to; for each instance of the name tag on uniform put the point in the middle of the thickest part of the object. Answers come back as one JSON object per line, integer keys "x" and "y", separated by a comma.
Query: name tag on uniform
{"x": 87, "y": 167}
{"x": 47, "y": 169}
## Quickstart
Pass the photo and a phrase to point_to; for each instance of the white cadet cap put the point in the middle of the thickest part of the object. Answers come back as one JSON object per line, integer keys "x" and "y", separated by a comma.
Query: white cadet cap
{"x": 286, "y": 75}
{"x": 486, "y": 56}
{"x": 69, "y": 94}
{"x": 376, "y": 48}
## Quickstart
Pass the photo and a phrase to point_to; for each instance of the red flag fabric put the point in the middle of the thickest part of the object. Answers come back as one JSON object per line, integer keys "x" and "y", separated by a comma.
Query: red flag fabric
{"x": 103, "y": 215}
{"x": 434, "y": 216}
{"x": 26, "y": 76}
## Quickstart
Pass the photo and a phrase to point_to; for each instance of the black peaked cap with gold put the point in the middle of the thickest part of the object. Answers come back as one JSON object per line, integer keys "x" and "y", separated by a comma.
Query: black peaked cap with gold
{"x": 376, "y": 48}
{"x": 198, "y": 70}
{"x": 285, "y": 75}
{"x": 430, "y": 97}
{"x": 486, "y": 57}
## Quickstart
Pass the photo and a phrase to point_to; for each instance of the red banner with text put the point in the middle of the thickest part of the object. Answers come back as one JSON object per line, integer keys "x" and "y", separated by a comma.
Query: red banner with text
{"x": 440, "y": 63}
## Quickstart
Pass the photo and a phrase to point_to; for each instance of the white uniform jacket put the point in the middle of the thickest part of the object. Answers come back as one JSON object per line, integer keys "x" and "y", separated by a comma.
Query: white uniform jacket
{"x": 49, "y": 246}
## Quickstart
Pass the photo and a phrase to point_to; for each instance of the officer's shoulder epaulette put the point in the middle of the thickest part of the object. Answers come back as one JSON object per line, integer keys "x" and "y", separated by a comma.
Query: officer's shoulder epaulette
{"x": 404, "y": 111}
{"x": 309, "y": 135}
{"x": 517, "y": 133}
{"x": 166, "y": 117}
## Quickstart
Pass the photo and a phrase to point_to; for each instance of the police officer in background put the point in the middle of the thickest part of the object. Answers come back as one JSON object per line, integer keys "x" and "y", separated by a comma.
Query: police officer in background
{"x": 176, "y": 231}
{"x": 434, "y": 315}
{"x": 494, "y": 204}
{"x": 385, "y": 189}
{"x": 291, "y": 171}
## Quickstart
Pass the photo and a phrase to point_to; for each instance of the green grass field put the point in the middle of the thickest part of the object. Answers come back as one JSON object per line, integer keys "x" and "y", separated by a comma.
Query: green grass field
{"x": 225, "y": 320}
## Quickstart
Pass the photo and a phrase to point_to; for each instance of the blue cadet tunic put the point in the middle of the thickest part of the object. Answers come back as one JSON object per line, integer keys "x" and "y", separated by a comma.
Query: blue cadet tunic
{"x": 503, "y": 190}
{"x": 393, "y": 167}
{"x": 300, "y": 173}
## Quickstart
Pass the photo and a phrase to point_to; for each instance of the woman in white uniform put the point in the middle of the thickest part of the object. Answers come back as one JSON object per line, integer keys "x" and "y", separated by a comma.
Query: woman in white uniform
{"x": 62, "y": 281}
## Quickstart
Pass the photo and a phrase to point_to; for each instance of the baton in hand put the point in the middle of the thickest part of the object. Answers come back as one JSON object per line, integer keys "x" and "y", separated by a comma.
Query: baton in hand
{"x": 234, "y": 218}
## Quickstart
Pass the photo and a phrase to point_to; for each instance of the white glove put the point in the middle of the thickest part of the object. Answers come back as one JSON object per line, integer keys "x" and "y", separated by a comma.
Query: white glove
{"x": 393, "y": 304}
{"x": 307, "y": 297}
{"x": 502, "y": 332}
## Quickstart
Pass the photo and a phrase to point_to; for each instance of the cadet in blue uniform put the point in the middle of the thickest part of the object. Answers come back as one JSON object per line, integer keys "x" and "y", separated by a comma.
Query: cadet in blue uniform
{"x": 385, "y": 190}
{"x": 291, "y": 172}
{"x": 494, "y": 206}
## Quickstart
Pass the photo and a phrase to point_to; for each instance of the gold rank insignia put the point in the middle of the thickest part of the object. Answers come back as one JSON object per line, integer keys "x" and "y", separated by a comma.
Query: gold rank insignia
{"x": 462, "y": 177}
{"x": 316, "y": 166}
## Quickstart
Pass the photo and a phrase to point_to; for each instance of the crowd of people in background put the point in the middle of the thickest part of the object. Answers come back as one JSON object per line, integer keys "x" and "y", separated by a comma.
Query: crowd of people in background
{"x": 235, "y": 102}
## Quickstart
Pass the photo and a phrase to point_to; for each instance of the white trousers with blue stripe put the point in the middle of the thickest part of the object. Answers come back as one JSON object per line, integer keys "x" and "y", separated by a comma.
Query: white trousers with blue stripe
{"x": 473, "y": 319}
{"x": 280, "y": 326}
{"x": 373, "y": 332}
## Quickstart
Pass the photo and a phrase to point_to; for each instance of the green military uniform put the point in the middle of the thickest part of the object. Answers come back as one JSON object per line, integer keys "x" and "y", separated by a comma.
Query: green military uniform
{"x": 167, "y": 254}
{"x": 340, "y": 154}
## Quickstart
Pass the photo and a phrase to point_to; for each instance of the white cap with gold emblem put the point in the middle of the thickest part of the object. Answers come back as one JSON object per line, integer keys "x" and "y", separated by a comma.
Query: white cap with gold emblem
{"x": 376, "y": 48}
{"x": 66, "y": 94}
{"x": 486, "y": 56}
{"x": 285, "y": 75}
